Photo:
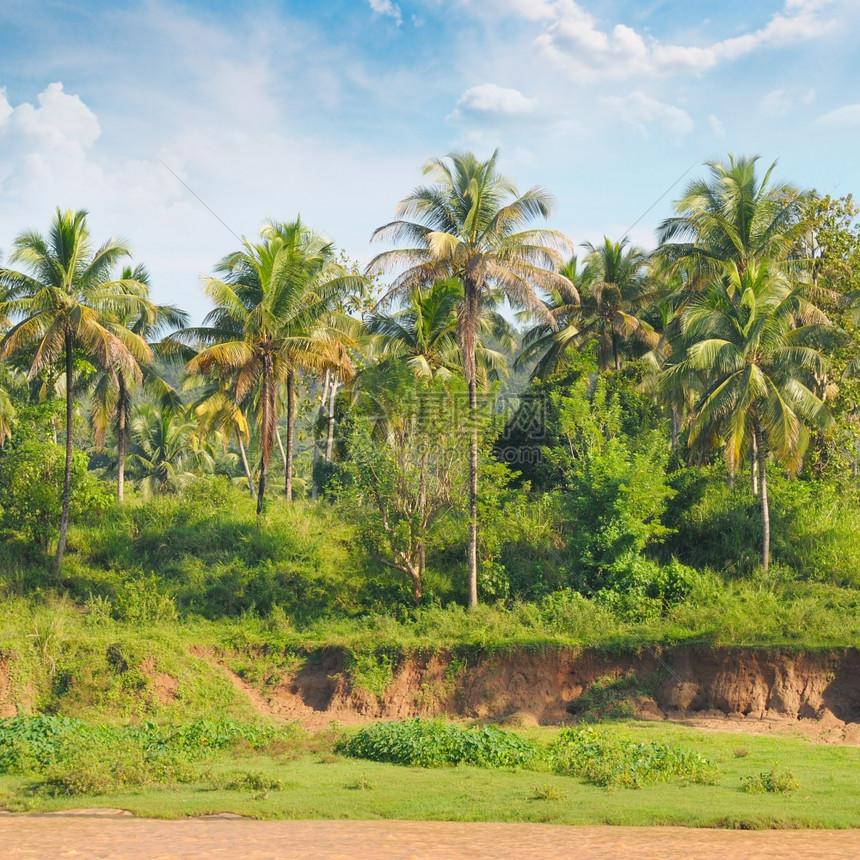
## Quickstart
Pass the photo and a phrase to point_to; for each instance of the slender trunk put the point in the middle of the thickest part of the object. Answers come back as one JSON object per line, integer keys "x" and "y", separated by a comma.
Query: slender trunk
{"x": 322, "y": 411}
{"x": 67, "y": 480}
{"x": 121, "y": 422}
{"x": 265, "y": 432}
{"x": 765, "y": 510}
{"x": 281, "y": 447}
{"x": 245, "y": 465}
{"x": 469, "y": 362}
{"x": 615, "y": 355}
{"x": 676, "y": 428}
{"x": 291, "y": 420}
{"x": 754, "y": 464}
{"x": 329, "y": 442}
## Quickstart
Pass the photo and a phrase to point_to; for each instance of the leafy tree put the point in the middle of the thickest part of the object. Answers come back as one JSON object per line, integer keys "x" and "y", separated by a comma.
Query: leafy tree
{"x": 469, "y": 225}
{"x": 66, "y": 300}
{"x": 407, "y": 457}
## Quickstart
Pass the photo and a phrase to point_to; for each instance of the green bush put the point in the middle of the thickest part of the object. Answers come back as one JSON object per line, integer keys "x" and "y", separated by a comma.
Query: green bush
{"x": 436, "y": 744}
{"x": 617, "y": 762}
{"x": 773, "y": 781}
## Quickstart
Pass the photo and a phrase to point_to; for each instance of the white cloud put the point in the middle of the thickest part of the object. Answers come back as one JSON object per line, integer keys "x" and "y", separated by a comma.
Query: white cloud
{"x": 490, "y": 100}
{"x": 842, "y": 118}
{"x": 386, "y": 7}
{"x": 531, "y": 10}
{"x": 717, "y": 127}
{"x": 782, "y": 101}
{"x": 642, "y": 111}
{"x": 60, "y": 121}
{"x": 575, "y": 42}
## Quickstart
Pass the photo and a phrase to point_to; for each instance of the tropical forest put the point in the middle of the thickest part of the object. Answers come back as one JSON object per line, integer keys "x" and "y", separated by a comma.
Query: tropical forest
{"x": 532, "y": 503}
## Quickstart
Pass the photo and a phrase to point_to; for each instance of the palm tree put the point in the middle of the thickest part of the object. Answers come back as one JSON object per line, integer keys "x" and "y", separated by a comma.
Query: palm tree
{"x": 270, "y": 319}
{"x": 69, "y": 300}
{"x": 424, "y": 332}
{"x": 112, "y": 391}
{"x": 752, "y": 340}
{"x": 734, "y": 216}
{"x": 618, "y": 290}
{"x": 166, "y": 448}
{"x": 469, "y": 225}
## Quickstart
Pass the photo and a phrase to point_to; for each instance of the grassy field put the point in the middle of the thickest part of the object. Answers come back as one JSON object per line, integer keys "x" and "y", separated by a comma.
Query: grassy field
{"x": 302, "y": 777}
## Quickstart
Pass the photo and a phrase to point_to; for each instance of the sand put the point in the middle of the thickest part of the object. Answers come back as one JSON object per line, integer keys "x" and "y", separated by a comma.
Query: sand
{"x": 119, "y": 836}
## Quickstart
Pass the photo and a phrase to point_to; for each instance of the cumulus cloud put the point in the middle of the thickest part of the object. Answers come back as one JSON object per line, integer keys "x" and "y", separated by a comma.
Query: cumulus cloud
{"x": 386, "y": 7}
{"x": 717, "y": 126}
{"x": 575, "y": 42}
{"x": 842, "y": 118}
{"x": 642, "y": 111}
{"x": 61, "y": 121}
{"x": 490, "y": 100}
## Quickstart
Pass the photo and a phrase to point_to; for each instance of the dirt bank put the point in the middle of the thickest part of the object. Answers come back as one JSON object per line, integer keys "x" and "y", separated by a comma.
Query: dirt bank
{"x": 85, "y": 836}
{"x": 762, "y": 690}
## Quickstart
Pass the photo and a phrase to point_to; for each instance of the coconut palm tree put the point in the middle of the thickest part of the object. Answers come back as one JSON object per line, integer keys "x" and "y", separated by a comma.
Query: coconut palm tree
{"x": 274, "y": 304}
{"x": 618, "y": 291}
{"x": 424, "y": 332}
{"x": 112, "y": 391}
{"x": 734, "y": 215}
{"x": 166, "y": 448}
{"x": 68, "y": 299}
{"x": 469, "y": 224}
{"x": 752, "y": 339}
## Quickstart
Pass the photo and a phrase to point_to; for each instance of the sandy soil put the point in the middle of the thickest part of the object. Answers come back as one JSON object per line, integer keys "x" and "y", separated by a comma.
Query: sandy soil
{"x": 119, "y": 836}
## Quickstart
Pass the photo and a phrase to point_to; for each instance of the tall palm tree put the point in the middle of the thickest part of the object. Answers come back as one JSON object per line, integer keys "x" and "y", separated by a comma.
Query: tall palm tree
{"x": 112, "y": 390}
{"x": 469, "y": 225}
{"x": 68, "y": 299}
{"x": 271, "y": 318}
{"x": 734, "y": 215}
{"x": 752, "y": 340}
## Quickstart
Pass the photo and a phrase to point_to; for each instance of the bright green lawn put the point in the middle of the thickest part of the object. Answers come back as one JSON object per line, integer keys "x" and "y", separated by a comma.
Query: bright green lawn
{"x": 320, "y": 785}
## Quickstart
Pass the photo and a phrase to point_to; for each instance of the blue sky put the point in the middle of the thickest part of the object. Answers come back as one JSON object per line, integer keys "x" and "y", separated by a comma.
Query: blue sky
{"x": 268, "y": 109}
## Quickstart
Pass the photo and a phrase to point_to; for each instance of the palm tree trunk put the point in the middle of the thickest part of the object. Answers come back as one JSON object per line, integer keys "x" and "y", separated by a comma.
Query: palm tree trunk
{"x": 765, "y": 510}
{"x": 322, "y": 411}
{"x": 67, "y": 480}
{"x": 468, "y": 343}
{"x": 266, "y": 433}
{"x": 329, "y": 441}
{"x": 291, "y": 421}
{"x": 676, "y": 428}
{"x": 245, "y": 465}
{"x": 121, "y": 422}
{"x": 754, "y": 465}
{"x": 281, "y": 446}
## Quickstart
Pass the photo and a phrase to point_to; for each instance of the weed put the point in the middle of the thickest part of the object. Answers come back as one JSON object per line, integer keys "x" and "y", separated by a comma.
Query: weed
{"x": 547, "y": 792}
{"x": 773, "y": 781}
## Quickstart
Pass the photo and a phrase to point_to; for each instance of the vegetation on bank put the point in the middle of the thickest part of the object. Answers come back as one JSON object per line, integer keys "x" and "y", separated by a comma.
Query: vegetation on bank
{"x": 662, "y": 450}
{"x": 680, "y": 776}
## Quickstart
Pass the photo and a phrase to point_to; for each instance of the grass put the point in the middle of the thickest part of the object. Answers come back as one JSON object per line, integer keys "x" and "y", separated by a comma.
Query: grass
{"x": 309, "y": 781}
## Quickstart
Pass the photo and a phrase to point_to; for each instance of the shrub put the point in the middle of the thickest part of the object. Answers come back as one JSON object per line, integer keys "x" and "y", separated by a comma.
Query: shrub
{"x": 435, "y": 744}
{"x": 617, "y": 762}
{"x": 773, "y": 781}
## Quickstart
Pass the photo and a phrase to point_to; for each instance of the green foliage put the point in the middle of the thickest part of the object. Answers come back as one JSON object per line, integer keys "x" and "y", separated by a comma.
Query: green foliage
{"x": 31, "y": 489}
{"x": 420, "y": 743}
{"x": 773, "y": 781}
{"x": 617, "y": 762}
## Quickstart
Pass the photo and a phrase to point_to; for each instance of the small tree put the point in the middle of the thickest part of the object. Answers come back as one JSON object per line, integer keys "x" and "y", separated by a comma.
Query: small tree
{"x": 408, "y": 448}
